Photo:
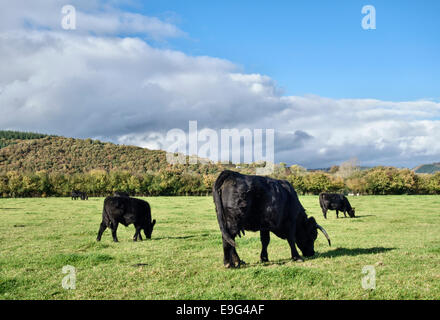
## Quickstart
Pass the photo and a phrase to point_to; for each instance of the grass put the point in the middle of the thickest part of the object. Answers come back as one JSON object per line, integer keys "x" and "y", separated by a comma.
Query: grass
{"x": 398, "y": 235}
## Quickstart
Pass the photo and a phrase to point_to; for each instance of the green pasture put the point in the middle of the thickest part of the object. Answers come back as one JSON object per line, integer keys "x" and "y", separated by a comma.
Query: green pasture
{"x": 398, "y": 235}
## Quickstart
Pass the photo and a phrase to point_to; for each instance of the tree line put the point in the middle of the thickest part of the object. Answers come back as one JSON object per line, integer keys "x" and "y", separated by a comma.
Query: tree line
{"x": 375, "y": 181}
{"x": 8, "y": 137}
{"x": 176, "y": 182}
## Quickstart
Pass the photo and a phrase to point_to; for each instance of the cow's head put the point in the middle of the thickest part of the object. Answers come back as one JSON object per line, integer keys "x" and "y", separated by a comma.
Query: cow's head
{"x": 149, "y": 229}
{"x": 351, "y": 213}
{"x": 306, "y": 234}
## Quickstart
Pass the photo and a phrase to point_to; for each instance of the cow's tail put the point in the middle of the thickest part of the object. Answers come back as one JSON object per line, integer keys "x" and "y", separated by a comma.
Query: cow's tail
{"x": 106, "y": 217}
{"x": 321, "y": 199}
{"x": 219, "y": 207}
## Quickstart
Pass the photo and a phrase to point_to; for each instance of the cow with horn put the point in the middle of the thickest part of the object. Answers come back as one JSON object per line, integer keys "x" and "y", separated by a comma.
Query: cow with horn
{"x": 256, "y": 203}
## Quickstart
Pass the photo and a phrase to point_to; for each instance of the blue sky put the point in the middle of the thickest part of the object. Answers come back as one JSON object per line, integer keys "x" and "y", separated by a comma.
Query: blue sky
{"x": 316, "y": 47}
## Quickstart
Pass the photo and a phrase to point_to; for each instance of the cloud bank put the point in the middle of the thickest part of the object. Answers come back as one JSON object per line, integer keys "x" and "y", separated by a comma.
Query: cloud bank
{"x": 96, "y": 82}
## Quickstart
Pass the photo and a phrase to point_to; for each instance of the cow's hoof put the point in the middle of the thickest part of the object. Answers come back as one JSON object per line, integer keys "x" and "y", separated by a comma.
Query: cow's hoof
{"x": 264, "y": 260}
{"x": 298, "y": 259}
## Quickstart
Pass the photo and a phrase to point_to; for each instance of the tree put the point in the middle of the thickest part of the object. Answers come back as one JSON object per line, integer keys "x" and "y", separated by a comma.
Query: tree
{"x": 297, "y": 170}
{"x": 348, "y": 168}
{"x": 14, "y": 184}
{"x": 298, "y": 183}
{"x": 317, "y": 182}
{"x": 378, "y": 181}
{"x": 434, "y": 183}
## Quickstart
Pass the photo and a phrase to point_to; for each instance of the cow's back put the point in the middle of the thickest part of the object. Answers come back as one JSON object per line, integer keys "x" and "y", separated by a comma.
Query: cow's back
{"x": 332, "y": 201}
{"x": 127, "y": 210}
{"x": 256, "y": 203}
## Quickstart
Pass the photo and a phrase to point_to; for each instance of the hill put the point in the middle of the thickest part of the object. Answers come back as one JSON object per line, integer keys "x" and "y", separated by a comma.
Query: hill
{"x": 427, "y": 168}
{"x": 70, "y": 156}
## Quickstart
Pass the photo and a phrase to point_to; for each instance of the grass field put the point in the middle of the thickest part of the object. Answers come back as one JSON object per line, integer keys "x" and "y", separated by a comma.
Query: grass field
{"x": 398, "y": 235}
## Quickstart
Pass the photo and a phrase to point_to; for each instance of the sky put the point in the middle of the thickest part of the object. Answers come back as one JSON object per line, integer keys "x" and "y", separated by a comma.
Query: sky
{"x": 133, "y": 70}
{"x": 318, "y": 47}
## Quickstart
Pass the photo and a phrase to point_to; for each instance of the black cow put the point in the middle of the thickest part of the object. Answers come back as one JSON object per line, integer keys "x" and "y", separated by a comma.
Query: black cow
{"x": 74, "y": 194}
{"x": 335, "y": 201}
{"x": 78, "y": 194}
{"x": 126, "y": 211}
{"x": 120, "y": 194}
{"x": 262, "y": 204}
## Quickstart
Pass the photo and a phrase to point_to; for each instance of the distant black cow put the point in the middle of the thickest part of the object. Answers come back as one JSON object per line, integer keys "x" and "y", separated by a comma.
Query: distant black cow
{"x": 120, "y": 194}
{"x": 335, "y": 201}
{"x": 126, "y": 211}
{"x": 75, "y": 194}
{"x": 262, "y": 204}
{"x": 78, "y": 194}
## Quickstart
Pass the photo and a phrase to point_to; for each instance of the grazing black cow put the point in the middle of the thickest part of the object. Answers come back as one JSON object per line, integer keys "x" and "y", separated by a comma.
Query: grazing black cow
{"x": 78, "y": 194}
{"x": 75, "y": 194}
{"x": 335, "y": 201}
{"x": 120, "y": 194}
{"x": 262, "y": 204}
{"x": 126, "y": 211}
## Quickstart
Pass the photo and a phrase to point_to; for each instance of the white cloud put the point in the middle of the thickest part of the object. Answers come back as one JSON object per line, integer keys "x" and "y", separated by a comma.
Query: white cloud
{"x": 92, "y": 16}
{"x": 124, "y": 90}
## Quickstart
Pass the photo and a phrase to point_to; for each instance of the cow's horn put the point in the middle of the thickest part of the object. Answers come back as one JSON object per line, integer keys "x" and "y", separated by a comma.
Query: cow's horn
{"x": 325, "y": 233}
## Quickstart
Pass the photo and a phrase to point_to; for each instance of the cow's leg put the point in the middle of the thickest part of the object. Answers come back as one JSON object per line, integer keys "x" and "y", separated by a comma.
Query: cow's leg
{"x": 337, "y": 214}
{"x": 137, "y": 233}
{"x": 102, "y": 228}
{"x": 324, "y": 212}
{"x": 236, "y": 258}
{"x": 227, "y": 251}
{"x": 292, "y": 240}
{"x": 231, "y": 258}
{"x": 265, "y": 239}
{"x": 114, "y": 228}
{"x": 345, "y": 216}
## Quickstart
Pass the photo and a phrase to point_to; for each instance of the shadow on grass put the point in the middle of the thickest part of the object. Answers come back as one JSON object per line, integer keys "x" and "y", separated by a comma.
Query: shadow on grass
{"x": 182, "y": 237}
{"x": 355, "y": 217}
{"x": 338, "y": 252}
{"x": 329, "y": 254}
{"x": 363, "y": 216}
{"x": 140, "y": 264}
